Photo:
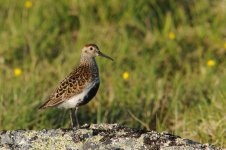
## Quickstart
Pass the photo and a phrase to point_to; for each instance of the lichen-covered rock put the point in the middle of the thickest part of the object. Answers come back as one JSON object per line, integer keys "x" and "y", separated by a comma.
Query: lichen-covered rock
{"x": 102, "y": 136}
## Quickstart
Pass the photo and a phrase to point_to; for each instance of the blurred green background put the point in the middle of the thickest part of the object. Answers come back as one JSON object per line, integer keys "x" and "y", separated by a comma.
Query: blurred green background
{"x": 169, "y": 72}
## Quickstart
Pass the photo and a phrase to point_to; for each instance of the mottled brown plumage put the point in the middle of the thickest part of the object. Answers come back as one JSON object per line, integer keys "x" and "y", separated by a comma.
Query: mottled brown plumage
{"x": 72, "y": 85}
{"x": 81, "y": 85}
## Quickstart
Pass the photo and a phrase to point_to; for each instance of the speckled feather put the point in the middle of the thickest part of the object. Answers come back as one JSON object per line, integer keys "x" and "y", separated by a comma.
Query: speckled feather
{"x": 73, "y": 84}
{"x": 81, "y": 85}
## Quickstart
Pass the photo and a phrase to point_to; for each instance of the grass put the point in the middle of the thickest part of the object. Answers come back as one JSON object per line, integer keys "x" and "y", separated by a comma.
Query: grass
{"x": 165, "y": 47}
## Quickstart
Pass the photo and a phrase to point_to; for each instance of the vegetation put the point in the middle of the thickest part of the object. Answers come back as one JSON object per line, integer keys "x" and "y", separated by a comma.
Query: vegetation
{"x": 169, "y": 71}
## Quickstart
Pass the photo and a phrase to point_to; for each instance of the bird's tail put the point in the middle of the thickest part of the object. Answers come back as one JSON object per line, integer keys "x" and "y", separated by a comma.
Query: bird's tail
{"x": 43, "y": 106}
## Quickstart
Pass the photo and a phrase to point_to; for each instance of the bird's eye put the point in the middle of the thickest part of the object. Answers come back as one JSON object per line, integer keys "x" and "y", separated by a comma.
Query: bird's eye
{"x": 91, "y": 48}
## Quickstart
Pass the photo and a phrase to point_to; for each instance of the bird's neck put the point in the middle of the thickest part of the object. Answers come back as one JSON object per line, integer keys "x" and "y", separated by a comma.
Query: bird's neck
{"x": 90, "y": 64}
{"x": 90, "y": 61}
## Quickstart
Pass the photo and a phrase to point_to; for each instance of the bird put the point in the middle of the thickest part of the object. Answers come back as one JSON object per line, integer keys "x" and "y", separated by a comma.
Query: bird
{"x": 80, "y": 86}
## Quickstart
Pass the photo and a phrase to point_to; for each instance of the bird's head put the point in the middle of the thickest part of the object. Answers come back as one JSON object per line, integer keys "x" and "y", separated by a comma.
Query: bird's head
{"x": 92, "y": 50}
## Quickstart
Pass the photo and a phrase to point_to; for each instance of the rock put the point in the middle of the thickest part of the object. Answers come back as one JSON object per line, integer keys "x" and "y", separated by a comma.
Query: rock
{"x": 97, "y": 136}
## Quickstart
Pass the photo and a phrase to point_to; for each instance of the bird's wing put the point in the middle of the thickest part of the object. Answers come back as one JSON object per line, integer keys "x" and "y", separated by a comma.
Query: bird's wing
{"x": 72, "y": 85}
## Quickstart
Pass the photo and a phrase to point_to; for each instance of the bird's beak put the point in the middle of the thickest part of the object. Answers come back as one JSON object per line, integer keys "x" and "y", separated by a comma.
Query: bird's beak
{"x": 103, "y": 55}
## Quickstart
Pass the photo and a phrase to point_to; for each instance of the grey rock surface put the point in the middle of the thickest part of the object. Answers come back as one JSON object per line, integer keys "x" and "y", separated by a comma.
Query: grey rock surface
{"x": 96, "y": 136}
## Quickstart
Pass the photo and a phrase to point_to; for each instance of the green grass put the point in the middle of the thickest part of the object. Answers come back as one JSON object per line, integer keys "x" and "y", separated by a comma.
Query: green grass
{"x": 170, "y": 86}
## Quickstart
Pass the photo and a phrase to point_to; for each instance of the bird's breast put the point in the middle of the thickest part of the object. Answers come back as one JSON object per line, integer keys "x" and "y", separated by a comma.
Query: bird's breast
{"x": 84, "y": 97}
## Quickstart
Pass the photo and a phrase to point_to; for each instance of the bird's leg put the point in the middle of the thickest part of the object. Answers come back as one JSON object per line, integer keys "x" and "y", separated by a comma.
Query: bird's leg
{"x": 72, "y": 115}
{"x": 76, "y": 115}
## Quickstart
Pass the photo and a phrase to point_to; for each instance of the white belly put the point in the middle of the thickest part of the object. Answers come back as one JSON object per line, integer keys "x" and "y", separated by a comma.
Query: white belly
{"x": 73, "y": 101}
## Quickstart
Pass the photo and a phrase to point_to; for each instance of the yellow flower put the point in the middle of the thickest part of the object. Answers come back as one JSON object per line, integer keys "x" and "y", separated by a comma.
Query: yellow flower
{"x": 224, "y": 45}
{"x": 125, "y": 75}
{"x": 17, "y": 71}
{"x": 211, "y": 63}
{"x": 28, "y": 4}
{"x": 171, "y": 36}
